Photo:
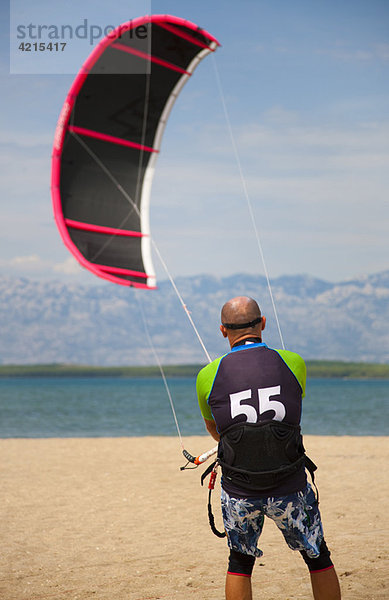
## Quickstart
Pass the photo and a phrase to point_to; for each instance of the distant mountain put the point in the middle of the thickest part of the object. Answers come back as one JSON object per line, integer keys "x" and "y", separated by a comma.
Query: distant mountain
{"x": 51, "y": 322}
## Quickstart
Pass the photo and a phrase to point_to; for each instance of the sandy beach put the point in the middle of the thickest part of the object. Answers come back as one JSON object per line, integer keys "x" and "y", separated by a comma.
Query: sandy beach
{"x": 115, "y": 519}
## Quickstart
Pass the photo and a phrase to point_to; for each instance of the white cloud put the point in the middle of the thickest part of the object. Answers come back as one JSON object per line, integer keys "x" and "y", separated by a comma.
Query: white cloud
{"x": 30, "y": 264}
{"x": 305, "y": 137}
{"x": 283, "y": 157}
{"x": 322, "y": 187}
{"x": 32, "y": 261}
{"x": 304, "y": 179}
{"x": 35, "y": 265}
{"x": 344, "y": 52}
{"x": 68, "y": 267}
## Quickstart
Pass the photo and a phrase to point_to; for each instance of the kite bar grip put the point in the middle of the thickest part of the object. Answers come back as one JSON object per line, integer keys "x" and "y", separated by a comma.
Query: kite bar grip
{"x": 198, "y": 460}
{"x": 189, "y": 457}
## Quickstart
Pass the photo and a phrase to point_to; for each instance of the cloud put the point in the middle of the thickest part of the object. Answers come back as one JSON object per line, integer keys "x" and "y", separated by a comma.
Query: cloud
{"x": 68, "y": 267}
{"x": 321, "y": 187}
{"x": 281, "y": 153}
{"x": 312, "y": 184}
{"x": 30, "y": 264}
{"x": 35, "y": 265}
{"x": 292, "y": 133}
{"x": 343, "y": 52}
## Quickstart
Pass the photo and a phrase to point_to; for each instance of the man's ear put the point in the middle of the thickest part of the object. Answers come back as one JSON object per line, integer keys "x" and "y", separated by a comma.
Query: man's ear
{"x": 263, "y": 323}
{"x": 223, "y": 330}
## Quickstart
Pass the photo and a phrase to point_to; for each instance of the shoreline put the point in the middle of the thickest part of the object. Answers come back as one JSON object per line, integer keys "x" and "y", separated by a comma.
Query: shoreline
{"x": 315, "y": 369}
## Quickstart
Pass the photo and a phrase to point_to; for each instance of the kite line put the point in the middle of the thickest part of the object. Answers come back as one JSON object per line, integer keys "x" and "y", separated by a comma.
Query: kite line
{"x": 134, "y": 207}
{"x": 156, "y": 356}
{"x": 247, "y": 196}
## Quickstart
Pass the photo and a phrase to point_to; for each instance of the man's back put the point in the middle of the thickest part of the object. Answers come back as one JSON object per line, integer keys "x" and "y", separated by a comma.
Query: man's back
{"x": 254, "y": 384}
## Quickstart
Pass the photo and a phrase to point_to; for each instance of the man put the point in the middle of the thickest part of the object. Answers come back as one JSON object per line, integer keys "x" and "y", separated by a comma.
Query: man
{"x": 251, "y": 402}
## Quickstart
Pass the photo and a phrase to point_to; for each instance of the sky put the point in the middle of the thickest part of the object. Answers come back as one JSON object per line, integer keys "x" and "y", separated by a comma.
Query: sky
{"x": 298, "y": 125}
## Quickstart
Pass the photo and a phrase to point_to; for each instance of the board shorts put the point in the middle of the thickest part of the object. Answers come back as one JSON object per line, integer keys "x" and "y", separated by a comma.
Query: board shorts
{"x": 296, "y": 515}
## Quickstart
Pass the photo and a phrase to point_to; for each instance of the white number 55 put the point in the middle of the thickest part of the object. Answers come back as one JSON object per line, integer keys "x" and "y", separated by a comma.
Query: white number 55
{"x": 264, "y": 404}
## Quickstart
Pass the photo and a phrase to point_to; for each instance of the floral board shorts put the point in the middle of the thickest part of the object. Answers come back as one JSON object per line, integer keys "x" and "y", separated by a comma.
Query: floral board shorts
{"x": 296, "y": 515}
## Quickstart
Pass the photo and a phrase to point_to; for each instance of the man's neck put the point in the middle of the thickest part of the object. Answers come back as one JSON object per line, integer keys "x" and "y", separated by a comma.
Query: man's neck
{"x": 250, "y": 339}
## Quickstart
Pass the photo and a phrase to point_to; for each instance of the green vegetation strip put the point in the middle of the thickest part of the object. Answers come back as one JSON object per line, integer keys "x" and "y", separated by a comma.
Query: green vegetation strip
{"x": 315, "y": 368}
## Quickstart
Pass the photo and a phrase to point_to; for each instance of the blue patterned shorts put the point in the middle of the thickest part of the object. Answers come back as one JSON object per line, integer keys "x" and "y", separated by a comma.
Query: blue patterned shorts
{"x": 296, "y": 515}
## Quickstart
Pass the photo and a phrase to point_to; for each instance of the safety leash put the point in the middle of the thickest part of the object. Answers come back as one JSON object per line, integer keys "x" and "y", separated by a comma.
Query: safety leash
{"x": 212, "y": 470}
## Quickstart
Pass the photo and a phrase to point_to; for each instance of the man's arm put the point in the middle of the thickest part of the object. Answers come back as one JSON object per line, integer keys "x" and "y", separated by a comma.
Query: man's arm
{"x": 297, "y": 366}
{"x": 211, "y": 428}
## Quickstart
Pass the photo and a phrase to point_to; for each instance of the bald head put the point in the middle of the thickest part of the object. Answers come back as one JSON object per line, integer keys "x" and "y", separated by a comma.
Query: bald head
{"x": 240, "y": 310}
{"x": 241, "y": 319}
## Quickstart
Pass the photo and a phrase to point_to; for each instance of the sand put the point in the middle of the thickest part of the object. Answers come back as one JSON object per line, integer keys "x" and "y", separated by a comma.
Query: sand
{"x": 116, "y": 519}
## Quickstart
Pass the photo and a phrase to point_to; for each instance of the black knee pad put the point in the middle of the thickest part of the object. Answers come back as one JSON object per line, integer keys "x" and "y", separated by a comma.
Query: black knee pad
{"x": 322, "y": 562}
{"x": 240, "y": 564}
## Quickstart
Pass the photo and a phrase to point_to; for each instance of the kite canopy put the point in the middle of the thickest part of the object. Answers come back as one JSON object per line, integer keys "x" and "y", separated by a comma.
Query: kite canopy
{"x": 108, "y": 138}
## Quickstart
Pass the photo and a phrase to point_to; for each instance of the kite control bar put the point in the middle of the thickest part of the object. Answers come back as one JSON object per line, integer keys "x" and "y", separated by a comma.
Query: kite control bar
{"x": 197, "y": 460}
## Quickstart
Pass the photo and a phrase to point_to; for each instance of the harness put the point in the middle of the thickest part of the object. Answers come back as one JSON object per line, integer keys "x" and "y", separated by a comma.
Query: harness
{"x": 258, "y": 457}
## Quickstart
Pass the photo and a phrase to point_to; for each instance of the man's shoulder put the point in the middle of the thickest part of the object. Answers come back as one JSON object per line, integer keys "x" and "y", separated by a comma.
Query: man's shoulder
{"x": 290, "y": 355}
{"x": 296, "y": 364}
{"x": 210, "y": 369}
{"x": 204, "y": 384}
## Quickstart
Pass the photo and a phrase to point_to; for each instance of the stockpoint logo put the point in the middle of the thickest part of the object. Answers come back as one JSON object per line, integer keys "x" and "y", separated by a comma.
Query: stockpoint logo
{"x": 34, "y": 33}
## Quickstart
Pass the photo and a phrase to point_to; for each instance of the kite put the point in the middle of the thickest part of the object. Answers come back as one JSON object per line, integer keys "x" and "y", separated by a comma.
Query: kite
{"x": 106, "y": 144}
{"x": 108, "y": 138}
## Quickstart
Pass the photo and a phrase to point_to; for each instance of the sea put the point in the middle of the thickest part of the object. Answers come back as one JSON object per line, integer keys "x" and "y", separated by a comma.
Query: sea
{"x": 46, "y": 407}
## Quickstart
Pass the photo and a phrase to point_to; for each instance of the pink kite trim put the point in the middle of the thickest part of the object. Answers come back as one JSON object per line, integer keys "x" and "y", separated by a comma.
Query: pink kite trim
{"x": 183, "y": 23}
{"x": 109, "y": 138}
{"x": 102, "y": 229}
{"x": 184, "y": 36}
{"x": 154, "y": 59}
{"x": 120, "y": 271}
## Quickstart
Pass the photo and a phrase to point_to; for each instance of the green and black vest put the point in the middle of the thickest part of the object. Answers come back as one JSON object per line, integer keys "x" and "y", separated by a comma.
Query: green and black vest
{"x": 254, "y": 394}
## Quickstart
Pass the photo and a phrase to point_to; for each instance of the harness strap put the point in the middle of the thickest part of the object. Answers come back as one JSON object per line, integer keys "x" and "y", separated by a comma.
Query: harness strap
{"x": 208, "y": 471}
{"x": 311, "y": 468}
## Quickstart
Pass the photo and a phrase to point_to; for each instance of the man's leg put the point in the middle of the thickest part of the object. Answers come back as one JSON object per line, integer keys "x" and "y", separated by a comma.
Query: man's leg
{"x": 325, "y": 585}
{"x": 243, "y": 522}
{"x": 238, "y": 580}
{"x": 238, "y": 587}
{"x": 324, "y": 580}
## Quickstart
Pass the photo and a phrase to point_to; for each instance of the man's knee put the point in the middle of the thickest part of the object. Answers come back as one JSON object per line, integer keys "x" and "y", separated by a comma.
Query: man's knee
{"x": 240, "y": 564}
{"x": 322, "y": 562}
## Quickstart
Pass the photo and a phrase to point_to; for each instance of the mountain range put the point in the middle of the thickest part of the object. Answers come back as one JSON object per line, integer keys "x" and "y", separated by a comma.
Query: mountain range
{"x": 44, "y": 322}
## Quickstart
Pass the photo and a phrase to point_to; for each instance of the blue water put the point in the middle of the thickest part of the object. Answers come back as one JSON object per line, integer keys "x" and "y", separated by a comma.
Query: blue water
{"x": 111, "y": 407}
